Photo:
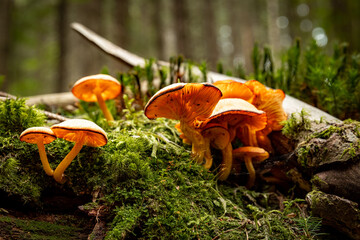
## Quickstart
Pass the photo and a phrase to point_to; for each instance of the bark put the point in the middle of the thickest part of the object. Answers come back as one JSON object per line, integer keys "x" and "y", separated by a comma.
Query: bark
{"x": 336, "y": 212}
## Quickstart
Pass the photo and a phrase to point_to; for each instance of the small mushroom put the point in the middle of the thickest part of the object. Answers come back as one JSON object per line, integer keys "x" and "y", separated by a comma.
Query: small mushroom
{"x": 234, "y": 89}
{"x": 82, "y": 132}
{"x": 40, "y": 136}
{"x": 218, "y": 137}
{"x": 250, "y": 155}
{"x": 235, "y": 113}
{"x": 97, "y": 88}
{"x": 191, "y": 103}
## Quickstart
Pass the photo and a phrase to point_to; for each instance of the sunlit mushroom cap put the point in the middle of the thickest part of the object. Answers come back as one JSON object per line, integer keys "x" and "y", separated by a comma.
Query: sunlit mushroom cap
{"x": 270, "y": 101}
{"x": 257, "y": 154}
{"x": 217, "y": 134}
{"x": 74, "y": 129}
{"x": 235, "y": 111}
{"x": 234, "y": 89}
{"x": 85, "y": 87}
{"x": 186, "y": 101}
{"x": 33, "y": 134}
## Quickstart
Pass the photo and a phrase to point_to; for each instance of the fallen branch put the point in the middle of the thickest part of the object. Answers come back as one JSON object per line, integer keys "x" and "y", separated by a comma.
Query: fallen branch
{"x": 290, "y": 104}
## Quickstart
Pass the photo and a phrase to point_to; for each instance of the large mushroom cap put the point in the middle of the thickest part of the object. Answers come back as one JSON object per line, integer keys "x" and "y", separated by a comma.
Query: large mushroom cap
{"x": 85, "y": 87}
{"x": 186, "y": 101}
{"x": 236, "y": 110}
{"x": 74, "y": 129}
{"x": 33, "y": 134}
{"x": 234, "y": 89}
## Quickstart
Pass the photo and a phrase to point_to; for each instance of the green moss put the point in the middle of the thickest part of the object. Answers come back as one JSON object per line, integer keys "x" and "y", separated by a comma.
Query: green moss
{"x": 147, "y": 180}
{"x": 296, "y": 123}
{"x": 16, "y": 116}
{"x": 35, "y": 229}
{"x": 325, "y": 134}
{"x": 303, "y": 155}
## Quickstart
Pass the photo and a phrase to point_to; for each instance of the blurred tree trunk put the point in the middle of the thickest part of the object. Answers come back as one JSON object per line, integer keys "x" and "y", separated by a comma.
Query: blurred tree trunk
{"x": 180, "y": 14}
{"x": 158, "y": 23}
{"x": 345, "y": 30}
{"x": 5, "y": 24}
{"x": 273, "y": 31}
{"x": 82, "y": 58}
{"x": 62, "y": 32}
{"x": 209, "y": 28}
{"x": 121, "y": 23}
{"x": 246, "y": 18}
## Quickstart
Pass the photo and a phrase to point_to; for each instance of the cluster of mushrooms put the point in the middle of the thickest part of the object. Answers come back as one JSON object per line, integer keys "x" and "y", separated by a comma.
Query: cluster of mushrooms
{"x": 94, "y": 88}
{"x": 210, "y": 116}
{"x": 215, "y": 115}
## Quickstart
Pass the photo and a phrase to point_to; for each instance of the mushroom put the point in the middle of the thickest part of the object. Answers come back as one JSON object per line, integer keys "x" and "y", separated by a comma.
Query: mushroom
{"x": 269, "y": 101}
{"x": 82, "y": 132}
{"x": 250, "y": 155}
{"x": 191, "y": 103}
{"x": 218, "y": 137}
{"x": 236, "y": 113}
{"x": 234, "y": 89}
{"x": 97, "y": 88}
{"x": 40, "y": 136}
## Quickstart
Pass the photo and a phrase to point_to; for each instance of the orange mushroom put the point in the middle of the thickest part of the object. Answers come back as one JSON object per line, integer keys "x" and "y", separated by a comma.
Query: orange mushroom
{"x": 234, "y": 89}
{"x": 191, "y": 103}
{"x": 182, "y": 135}
{"x": 218, "y": 137}
{"x": 250, "y": 155}
{"x": 269, "y": 101}
{"x": 82, "y": 132}
{"x": 236, "y": 113}
{"x": 97, "y": 88}
{"x": 40, "y": 136}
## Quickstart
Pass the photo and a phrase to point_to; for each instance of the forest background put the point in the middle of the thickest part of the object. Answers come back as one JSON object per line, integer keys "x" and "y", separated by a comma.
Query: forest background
{"x": 41, "y": 54}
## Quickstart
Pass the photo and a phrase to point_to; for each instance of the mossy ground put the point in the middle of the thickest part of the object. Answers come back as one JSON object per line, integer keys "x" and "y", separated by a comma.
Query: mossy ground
{"x": 143, "y": 184}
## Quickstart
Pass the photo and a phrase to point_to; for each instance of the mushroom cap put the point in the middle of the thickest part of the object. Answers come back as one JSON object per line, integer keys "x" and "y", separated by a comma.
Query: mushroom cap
{"x": 85, "y": 87}
{"x": 257, "y": 154}
{"x": 235, "y": 111}
{"x": 74, "y": 129}
{"x": 33, "y": 134}
{"x": 183, "y": 101}
{"x": 234, "y": 89}
{"x": 219, "y": 136}
{"x": 270, "y": 101}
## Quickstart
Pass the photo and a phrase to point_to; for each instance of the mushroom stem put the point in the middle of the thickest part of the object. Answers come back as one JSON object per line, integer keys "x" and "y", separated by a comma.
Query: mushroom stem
{"x": 103, "y": 106}
{"x": 251, "y": 170}
{"x": 43, "y": 158}
{"x": 197, "y": 140}
{"x": 251, "y": 136}
{"x": 60, "y": 169}
{"x": 207, "y": 155}
{"x": 226, "y": 163}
